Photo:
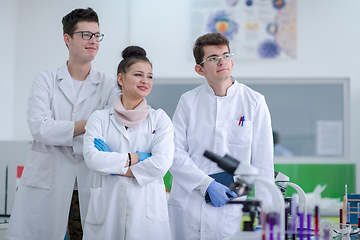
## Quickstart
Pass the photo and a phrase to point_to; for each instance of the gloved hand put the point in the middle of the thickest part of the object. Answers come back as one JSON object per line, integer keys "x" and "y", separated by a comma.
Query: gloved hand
{"x": 143, "y": 156}
{"x": 217, "y": 193}
{"x": 101, "y": 145}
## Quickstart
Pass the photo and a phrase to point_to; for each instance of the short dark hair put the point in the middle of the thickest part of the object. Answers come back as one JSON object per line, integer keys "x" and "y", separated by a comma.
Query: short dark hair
{"x": 275, "y": 137}
{"x": 207, "y": 40}
{"x": 131, "y": 55}
{"x": 78, "y": 15}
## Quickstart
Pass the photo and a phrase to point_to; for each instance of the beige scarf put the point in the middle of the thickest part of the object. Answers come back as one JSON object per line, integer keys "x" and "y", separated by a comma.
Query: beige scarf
{"x": 131, "y": 118}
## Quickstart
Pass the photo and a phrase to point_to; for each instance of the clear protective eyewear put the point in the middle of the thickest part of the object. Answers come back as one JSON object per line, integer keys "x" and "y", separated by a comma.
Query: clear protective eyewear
{"x": 214, "y": 59}
{"x": 86, "y": 35}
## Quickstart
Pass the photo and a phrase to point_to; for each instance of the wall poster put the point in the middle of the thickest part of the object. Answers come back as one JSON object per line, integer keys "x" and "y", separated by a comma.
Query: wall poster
{"x": 257, "y": 29}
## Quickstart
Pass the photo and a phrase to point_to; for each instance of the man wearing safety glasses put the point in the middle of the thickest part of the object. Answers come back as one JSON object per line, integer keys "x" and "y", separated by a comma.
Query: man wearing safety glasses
{"x": 225, "y": 117}
{"x": 55, "y": 184}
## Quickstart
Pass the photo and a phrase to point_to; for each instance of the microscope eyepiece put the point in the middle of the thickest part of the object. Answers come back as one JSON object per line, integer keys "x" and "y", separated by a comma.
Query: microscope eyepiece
{"x": 227, "y": 163}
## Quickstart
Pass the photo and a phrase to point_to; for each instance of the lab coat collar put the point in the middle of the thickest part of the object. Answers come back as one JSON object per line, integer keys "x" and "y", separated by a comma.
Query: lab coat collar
{"x": 230, "y": 91}
{"x": 63, "y": 73}
{"x": 120, "y": 127}
{"x": 67, "y": 86}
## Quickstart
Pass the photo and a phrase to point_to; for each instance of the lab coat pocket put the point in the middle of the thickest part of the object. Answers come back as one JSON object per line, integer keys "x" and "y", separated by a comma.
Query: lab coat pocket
{"x": 156, "y": 208}
{"x": 230, "y": 219}
{"x": 240, "y": 135}
{"x": 96, "y": 211}
{"x": 38, "y": 170}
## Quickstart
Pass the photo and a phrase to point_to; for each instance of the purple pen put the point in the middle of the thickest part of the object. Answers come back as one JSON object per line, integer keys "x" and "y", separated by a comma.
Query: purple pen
{"x": 153, "y": 132}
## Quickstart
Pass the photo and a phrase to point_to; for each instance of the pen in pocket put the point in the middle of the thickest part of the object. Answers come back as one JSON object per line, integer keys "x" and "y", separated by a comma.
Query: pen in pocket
{"x": 242, "y": 119}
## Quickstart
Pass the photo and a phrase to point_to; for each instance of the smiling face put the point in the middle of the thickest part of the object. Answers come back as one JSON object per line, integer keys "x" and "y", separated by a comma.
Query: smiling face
{"x": 215, "y": 72}
{"x": 137, "y": 82}
{"x": 82, "y": 51}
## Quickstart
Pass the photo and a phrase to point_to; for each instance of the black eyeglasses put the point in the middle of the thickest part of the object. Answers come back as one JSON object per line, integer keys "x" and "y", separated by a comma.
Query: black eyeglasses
{"x": 86, "y": 35}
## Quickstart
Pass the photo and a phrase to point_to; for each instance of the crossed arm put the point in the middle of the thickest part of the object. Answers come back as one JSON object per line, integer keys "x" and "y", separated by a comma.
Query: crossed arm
{"x": 135, "y": 157}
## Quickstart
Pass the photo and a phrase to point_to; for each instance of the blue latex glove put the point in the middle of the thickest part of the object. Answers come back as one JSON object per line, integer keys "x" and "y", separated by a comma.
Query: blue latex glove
{"x": 143, "y": 156}
{"x": 217, "y": 193}
{"x": 101, "y": 145}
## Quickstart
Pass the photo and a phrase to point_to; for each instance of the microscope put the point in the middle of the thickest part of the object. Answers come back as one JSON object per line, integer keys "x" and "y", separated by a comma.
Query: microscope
{"x": 246, "y": 175}
{"x": 295, "y": 206}
{"x": 282, "y": 181}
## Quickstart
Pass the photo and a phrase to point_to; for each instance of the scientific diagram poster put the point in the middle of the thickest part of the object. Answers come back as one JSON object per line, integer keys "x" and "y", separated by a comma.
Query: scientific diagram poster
{"x": 257, "y": 29}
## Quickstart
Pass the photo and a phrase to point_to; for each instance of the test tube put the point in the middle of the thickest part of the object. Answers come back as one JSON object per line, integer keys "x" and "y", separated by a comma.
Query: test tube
{"x": 345, "y": 205}
{"x": 271, "y": 224}
{"x": 341, "y": 217}
{"x": 348, "y": 213}
{"x": 308, "y": 226}
{"x": 358, "y": 213}
{"x": 316, "y": 222}
{"x": 263, "y": 222}
{"x": 278, "y": 216}
{"x": 301, "y": 228}
{"x": 293, "y": 215}
{"x": 286, "y": 222}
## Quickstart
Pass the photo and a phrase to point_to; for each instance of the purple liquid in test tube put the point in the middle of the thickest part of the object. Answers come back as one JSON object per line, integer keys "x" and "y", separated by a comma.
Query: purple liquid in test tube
{"x": 301, "y": 229}
{"x": 308, "y": 227}
{"x": 358, "y": 210}
{"x": 271, "y": 228}
{"x": 293, "y": 215}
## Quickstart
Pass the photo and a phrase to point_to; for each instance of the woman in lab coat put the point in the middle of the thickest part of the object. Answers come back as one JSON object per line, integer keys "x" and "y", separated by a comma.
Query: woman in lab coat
{"x": 130, "y": 148}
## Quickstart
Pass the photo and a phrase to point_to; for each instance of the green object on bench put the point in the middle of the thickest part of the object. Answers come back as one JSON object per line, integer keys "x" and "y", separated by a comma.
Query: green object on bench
{"x": 308, "y": 176}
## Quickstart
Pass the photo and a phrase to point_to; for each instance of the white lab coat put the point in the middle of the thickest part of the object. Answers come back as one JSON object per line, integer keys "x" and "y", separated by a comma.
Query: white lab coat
{"x": 204, "y": 121}
{"x": 42, "y": 203}
{"x": 128, "y": 207}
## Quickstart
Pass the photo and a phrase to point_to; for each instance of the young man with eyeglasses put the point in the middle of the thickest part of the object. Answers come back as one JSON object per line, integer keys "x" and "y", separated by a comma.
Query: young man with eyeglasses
{"x": 55, "y": 176}
{"x": 225, "y": 117}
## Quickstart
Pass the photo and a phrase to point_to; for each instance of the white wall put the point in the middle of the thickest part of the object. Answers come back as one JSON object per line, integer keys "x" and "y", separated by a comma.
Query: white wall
{"x": 40, "y": 45}
{"x": 8, "y": 16}
{"x": 328, "y": 46}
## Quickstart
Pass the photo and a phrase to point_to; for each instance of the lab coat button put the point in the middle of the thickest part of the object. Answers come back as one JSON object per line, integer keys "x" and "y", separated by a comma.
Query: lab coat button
{"x": 75, "y": 110}
{"x": 76, "y": 161}
{"x": 127, "y": 212}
